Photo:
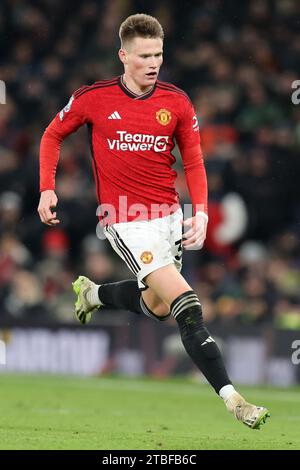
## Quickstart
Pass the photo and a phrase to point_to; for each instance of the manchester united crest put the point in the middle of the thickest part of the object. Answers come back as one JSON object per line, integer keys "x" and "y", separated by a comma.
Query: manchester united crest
{"x": 163, "y": 116}
{"x": 146, "y": 257}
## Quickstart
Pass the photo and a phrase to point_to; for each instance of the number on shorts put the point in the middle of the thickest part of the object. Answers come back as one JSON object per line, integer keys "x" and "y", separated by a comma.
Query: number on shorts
{"x": 179, "y": 250}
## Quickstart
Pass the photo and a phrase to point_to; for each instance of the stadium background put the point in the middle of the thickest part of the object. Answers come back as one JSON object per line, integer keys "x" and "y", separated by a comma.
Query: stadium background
{"x": 237, "y": 61}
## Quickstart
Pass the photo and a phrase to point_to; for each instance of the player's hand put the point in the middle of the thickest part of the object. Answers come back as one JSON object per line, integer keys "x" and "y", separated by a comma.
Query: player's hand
{"x": 48, "y": 201}
{"x": 194, "y": 238}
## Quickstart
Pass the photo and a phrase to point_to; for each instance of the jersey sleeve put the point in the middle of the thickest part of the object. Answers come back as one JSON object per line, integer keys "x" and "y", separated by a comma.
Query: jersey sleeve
{"x": 68, "y": 120}
{"x": 187, "y": 129}
{"x": 188, "y": 138}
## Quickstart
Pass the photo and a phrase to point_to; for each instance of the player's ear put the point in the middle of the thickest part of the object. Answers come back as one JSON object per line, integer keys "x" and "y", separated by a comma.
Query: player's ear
{"x": 123, "y": 56}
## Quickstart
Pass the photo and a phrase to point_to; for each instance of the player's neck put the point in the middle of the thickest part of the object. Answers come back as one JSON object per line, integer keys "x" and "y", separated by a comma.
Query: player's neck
{"x": 133, "y": 86}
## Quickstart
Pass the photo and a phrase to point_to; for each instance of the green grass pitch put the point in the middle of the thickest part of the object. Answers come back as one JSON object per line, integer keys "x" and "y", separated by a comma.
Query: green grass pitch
{"x": 45, "y": 412}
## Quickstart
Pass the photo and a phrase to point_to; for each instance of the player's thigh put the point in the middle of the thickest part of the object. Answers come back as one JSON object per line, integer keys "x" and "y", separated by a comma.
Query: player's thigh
{"x": 167, "y": 283}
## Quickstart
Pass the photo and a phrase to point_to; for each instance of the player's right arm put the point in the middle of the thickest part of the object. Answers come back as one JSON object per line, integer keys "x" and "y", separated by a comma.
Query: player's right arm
{"x": 68, "y": 120}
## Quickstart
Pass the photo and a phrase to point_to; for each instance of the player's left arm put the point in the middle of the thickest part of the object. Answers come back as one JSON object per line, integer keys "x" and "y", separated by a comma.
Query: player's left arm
{"x": 188, "y": 139}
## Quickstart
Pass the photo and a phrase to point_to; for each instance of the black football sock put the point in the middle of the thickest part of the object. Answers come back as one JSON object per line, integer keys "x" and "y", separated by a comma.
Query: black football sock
{"x": 123, "y": 295}
{"x": 198, "y": 343}
{"x": 126, "y": 295}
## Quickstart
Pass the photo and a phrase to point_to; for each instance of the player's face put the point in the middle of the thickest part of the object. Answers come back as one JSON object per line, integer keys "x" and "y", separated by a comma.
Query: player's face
{"x": 142, "y": 60}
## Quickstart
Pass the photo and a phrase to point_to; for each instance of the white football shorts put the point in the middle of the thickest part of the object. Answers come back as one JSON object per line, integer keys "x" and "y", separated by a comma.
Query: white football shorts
{"x": 148, "y": 245}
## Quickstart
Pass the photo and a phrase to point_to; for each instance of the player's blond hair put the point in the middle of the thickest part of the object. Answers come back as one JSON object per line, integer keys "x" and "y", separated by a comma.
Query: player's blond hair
{"x": 140, "y": 25}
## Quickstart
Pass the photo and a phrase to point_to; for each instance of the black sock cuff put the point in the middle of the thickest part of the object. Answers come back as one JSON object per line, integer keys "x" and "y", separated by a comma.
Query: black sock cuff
{"x": 183, "y": 302}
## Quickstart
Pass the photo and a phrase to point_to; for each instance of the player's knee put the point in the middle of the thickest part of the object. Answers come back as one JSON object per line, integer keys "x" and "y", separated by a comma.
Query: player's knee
{"x": 161, "y": 310}
{"x": 157, "y": 306}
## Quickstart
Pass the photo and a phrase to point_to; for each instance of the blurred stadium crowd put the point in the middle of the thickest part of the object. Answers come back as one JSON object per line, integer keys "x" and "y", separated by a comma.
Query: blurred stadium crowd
{"x": 237, "y": 61}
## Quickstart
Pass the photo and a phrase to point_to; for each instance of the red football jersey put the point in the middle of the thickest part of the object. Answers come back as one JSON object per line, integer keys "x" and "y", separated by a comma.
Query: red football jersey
{"x": 132, "y": 138}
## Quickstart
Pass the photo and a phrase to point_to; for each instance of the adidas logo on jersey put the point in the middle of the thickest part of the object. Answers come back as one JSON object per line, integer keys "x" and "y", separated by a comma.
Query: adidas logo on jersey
{"x": 115, "y": 115}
